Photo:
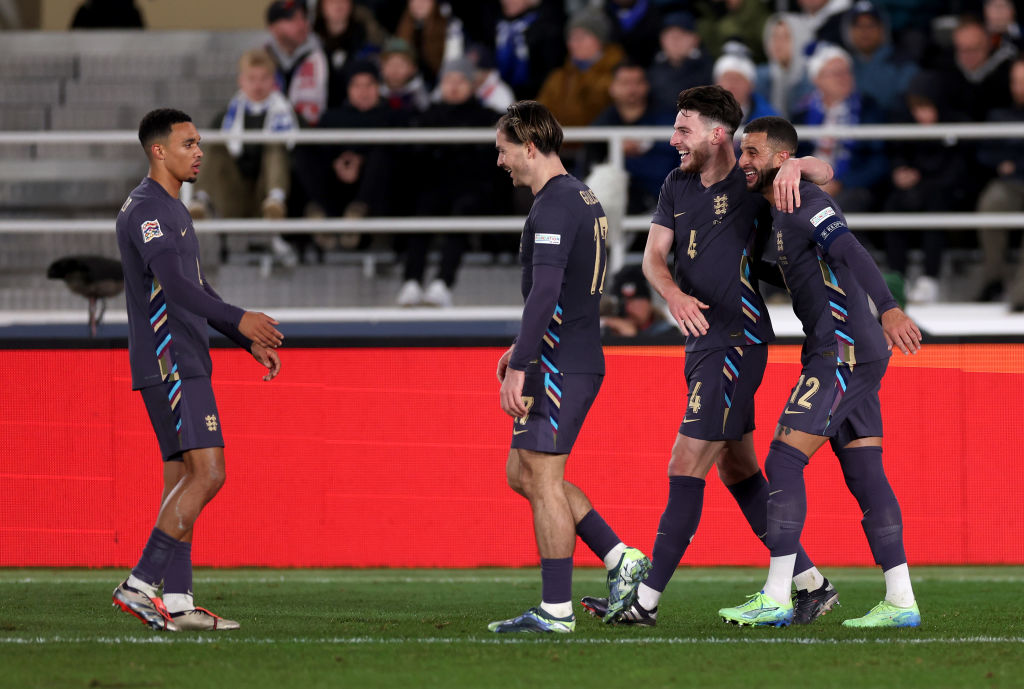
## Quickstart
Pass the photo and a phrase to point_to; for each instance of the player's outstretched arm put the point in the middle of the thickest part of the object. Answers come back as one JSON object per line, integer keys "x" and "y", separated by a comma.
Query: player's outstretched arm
{"x": 226, "y": 328}
{"x": 686, "y": 310}
{"x": 259, "y": 327}
{"x": 900, "y": 330}
{"x": 787, "y": 181}
{"x": 269, "y": 358}
{"x": 186, "y": 294}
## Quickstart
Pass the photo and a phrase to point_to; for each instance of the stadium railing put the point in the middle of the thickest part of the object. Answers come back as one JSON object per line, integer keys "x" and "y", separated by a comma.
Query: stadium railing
{"x": 613, "y": 136}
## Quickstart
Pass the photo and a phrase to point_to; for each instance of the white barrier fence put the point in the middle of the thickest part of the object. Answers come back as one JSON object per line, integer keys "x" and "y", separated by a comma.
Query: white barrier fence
{"x": 613, "y": 136}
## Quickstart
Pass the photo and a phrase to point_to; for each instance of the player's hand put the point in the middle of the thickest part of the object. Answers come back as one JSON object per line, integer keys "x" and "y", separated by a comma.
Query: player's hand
{"x": 503, "y": 364}
{"x": 511, "y": 394}
{"x": 687, "y": 312}
{"x": 787, "y": 186}
{"x": 259, "y": 327}
{"x": 269, "y": 358}
{"x": 901, "y": 331}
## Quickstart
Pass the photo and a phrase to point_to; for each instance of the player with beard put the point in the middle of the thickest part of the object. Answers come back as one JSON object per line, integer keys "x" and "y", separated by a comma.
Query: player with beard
{"x": 170, "y": 303}
{"x": 830, "y": 277}
{"x": 708, "y": 218}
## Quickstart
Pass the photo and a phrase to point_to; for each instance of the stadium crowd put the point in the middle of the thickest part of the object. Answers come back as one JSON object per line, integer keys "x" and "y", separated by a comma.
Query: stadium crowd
{"x": 387, "y": 63}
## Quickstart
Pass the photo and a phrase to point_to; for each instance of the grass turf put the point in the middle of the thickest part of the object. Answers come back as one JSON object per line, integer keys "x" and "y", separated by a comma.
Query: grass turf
{"x": 424, "y": 628}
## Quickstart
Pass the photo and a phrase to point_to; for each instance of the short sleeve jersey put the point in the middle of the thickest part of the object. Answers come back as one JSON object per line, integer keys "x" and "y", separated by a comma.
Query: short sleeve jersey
{"x": 715, "y": 232}
{"x": 827, "y": 297}
{"x": 567, "y": 228}
{"x": 163, "y": 338}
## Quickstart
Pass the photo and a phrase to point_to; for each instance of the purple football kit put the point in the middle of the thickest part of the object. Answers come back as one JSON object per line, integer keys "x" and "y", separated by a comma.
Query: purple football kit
{"x": 564, "y": 259}
{"x": 169, "y": 306}
{"x": 715, "y": 231}
{"x": 844, "y": 355}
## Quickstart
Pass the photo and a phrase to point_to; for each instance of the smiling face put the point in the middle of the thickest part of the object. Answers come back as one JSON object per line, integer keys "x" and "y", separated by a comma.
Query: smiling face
{"x": 513, "y": 158}
{"x": 692, "y": 138}
{"x": 179, "y": 153}
{"x": 759, "y": 161}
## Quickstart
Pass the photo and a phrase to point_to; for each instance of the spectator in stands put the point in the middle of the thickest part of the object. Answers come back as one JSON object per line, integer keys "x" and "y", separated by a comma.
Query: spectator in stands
{"x": 821, "y": 20}
{"x": 402, "y": 87}
{"x": 721, "y": 21}
{"x": 577, "y": 92}
{"x": 859, "y": 165}
{"x": 632, "y": 312}
{"x": 302, "y": 71}
{"x": 635, "y": 26}
{"x": 979, "y": 73}
{"x": 107, "y": 14}
{"x": 928, "y": 176}
{"x": 910, "y": 23}
{"x": 1003, "y": 194}
{"x": 489, "y": 87}
{"x": 528, "y": 44}
{"x": 783, "y": 78}
{"x": 735, "y": 72}
{"x": 647, "y": 162}
{"x": 354, "y": 180}
{"x": 1001, "y": 22}
{"x": 681, "y": 64}
{"x": 348, "y": 33}
{"x": 458, "y": 180}
{"x": 250, "y": 180}
{"x": 434, "y": 33}
{"x": 876, "y": 70}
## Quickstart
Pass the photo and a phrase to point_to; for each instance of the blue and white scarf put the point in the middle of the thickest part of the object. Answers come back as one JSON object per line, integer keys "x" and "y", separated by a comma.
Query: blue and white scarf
{"x": 280, "y": 117}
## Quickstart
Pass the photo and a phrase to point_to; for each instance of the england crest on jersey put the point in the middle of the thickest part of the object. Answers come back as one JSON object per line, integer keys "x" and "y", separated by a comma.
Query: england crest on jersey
{"x": 151, "y": 230}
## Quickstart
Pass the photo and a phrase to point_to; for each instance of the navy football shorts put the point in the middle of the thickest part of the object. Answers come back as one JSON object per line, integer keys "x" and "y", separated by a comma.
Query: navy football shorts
{"x": 721, "y": 384}
{"x": 836, "y": 400}
{"x": 192, "y": 423}
{"x": 558, "y": 404}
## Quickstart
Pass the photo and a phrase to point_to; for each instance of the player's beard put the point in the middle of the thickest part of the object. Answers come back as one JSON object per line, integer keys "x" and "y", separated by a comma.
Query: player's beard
{"x": 696, "y": 160}
{"x": 764, "y": 179}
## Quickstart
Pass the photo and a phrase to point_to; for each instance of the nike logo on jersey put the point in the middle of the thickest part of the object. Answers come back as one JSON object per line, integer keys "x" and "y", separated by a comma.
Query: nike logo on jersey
{"x": 676, "y": 215}
{"x": 690, "y": 420}
{"x": 183, "y": 231}
{"x": 520, "y": 432}
{"x": 790, "y": 411}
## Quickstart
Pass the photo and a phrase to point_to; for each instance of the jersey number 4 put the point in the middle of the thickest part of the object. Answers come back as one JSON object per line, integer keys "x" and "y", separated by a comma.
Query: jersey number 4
{"x": 694, "y": 403}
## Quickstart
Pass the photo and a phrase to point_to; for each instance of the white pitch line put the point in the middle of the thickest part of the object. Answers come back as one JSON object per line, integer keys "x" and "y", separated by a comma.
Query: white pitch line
{"x": 500, "y": 641}
{"x": 529, "y": 577}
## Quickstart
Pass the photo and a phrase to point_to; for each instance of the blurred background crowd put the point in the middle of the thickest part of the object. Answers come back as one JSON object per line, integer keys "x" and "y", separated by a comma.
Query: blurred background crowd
{"x": 459, "y": 63}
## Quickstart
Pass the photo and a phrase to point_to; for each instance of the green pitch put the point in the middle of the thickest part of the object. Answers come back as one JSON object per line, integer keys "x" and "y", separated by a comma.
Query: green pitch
{"x": 427, "y": 628}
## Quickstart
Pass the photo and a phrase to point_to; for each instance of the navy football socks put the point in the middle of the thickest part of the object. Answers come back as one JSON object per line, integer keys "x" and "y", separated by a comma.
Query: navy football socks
{"x": 883, "y": 521}
{"x": 678, "y": 523}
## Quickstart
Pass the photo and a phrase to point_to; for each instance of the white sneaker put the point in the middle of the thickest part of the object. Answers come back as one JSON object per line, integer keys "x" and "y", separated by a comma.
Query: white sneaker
{"x": 438, "y": 294}
{"x": 411, "y": 294}
{"x": 283, "y": 252}
{"x": 924, "y": 291}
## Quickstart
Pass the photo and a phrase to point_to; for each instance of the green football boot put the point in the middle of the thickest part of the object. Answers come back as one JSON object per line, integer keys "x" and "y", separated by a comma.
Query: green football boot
{"x": 759, "y": 611}
{"x": 885, "y": 614}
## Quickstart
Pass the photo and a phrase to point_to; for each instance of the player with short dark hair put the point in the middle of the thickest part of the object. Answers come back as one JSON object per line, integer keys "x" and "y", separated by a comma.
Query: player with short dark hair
{"x": 170, "y": 305}
{"x": 551, "y": 374}
{"x": 707, "y": 217}
{"x": 830, "y": 277}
